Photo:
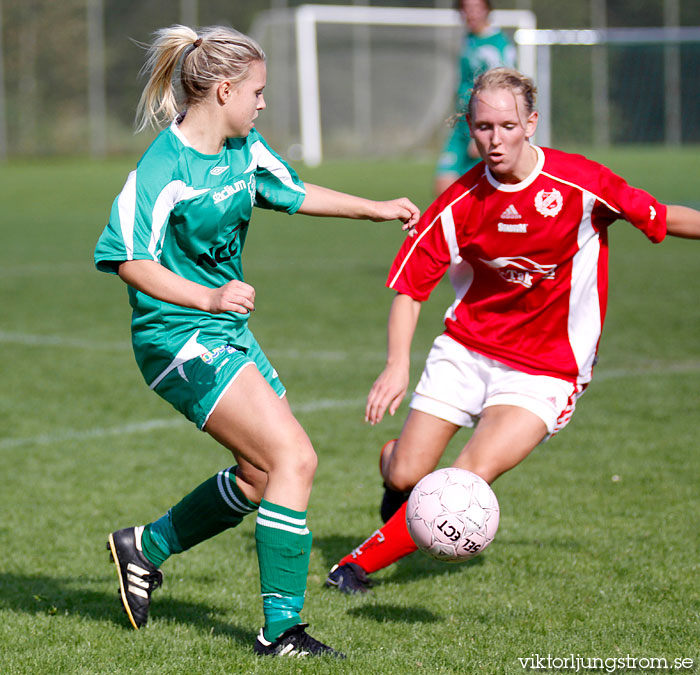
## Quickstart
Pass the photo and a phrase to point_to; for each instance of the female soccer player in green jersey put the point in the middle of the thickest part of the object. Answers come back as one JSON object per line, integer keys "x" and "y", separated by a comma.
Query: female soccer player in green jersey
{"x": 484, "y": 47}
{"x": 175, "y": 236}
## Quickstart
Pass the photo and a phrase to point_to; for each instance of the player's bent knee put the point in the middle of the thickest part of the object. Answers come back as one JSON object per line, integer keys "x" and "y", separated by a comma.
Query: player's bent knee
{"x": 401, "y": 479}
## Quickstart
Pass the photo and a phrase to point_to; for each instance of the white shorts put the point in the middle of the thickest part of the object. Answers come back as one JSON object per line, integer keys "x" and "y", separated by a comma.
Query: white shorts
{"x": 457, "y": 384}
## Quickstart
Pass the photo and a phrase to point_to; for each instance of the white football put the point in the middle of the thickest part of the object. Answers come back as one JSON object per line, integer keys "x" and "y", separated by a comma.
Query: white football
{"x": 452, "y": 514}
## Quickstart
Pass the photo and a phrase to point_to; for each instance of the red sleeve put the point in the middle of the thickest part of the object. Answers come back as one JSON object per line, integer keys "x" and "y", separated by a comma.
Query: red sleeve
{"x": 423, "y": 257}
{"x": 634, "y": 205}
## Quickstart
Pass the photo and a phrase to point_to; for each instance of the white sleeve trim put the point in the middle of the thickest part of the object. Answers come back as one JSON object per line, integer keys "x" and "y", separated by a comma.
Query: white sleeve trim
{"x": 126, "y": 204}
{"x": 263, "y": 158}
{"x": 448, "y": 230}
{"x": 174, "y": 192}
{"x": 410, "y": 252}
{"x": 449, "y": 233}
{"x": 583, "y": 190}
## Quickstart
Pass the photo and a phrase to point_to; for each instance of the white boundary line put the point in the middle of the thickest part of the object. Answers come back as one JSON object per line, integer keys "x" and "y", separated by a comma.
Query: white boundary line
{"x": 8, "y": 271}
{"x": 654, "y": 368}
{"x": 32, "y": 340}
{"x": 97, "y": 432}
{"x": 37, "y": 340}
{"x": 309, "y": 407}
{"x": 327, "y": 404}
{"x": 163, "y": 423}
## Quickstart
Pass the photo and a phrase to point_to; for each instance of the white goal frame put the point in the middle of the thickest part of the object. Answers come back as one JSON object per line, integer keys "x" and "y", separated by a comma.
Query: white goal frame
{"x": 308, "y": 17}
{"x": 542, "y": 40}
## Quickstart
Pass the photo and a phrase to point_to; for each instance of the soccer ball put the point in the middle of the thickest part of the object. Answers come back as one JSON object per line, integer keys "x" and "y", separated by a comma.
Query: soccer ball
{"x": 452, "y": 514}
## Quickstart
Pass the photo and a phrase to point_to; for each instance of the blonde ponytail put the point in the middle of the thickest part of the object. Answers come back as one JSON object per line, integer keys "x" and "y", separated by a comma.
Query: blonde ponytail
{"x": 217, "y": 53}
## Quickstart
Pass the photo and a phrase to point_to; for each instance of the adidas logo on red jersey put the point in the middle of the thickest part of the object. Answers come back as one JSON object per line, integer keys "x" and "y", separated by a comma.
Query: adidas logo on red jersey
{"x": 511, "y": 213}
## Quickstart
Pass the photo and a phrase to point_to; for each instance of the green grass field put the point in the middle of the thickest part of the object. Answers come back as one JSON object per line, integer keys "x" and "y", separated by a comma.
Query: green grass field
{"x": 597, "y": 553}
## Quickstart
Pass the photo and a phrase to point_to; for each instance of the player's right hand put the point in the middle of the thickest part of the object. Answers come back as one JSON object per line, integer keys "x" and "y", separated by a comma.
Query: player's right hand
{"x": 402, "y": 209}
{"x": 386, "y": 393}
{"x": 235, "y": 296}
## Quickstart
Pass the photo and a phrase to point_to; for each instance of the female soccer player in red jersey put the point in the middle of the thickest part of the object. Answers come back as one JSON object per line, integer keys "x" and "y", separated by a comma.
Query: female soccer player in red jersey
{"x": 523, "y": 238}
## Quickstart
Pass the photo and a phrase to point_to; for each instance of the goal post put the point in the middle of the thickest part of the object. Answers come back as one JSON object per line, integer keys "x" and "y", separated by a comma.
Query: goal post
{"x": 669, "y": 38}
{"x": 370, "y": 81}
{"x": 308, "y": 18}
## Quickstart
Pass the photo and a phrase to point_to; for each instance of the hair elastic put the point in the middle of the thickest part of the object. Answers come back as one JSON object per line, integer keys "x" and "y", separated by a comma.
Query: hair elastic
{"x": 192, "y": 47}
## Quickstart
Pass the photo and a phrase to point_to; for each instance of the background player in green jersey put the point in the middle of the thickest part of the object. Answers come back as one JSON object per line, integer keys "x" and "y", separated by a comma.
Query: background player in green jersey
{"x": 484, "y": 47}
{"x": 175, "y": 236}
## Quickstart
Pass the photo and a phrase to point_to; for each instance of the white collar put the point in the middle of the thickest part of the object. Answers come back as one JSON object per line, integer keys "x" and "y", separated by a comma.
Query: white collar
{"x": 175, "y": 128}
{"x": 516, "y": 187}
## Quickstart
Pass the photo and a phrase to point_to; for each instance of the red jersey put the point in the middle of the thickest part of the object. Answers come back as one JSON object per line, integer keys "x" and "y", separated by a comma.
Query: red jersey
{"x": 528, "y": 261}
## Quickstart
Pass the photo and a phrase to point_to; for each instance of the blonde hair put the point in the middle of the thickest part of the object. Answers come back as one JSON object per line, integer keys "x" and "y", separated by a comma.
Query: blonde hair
{"x": 505, "y": 78}
{"x": 214, "y": 54}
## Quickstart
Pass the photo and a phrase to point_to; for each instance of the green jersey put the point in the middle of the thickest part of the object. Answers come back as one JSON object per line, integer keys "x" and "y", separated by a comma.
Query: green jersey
{"x": 190, "y": 212}
{"x": 480, "y": 53}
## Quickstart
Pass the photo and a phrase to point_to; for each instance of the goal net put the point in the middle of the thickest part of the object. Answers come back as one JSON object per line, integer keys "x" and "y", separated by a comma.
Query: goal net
{"x": 365, "y": 80}
{"x": 617, "y": 86}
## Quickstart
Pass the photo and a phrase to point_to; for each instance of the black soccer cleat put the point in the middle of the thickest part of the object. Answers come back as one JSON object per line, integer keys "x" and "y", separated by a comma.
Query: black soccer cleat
{"x": 348, "y": 578}
{"x": 295, "y": 641}
{"x": 392, "y": 501}
{"x": 138, "y": 577}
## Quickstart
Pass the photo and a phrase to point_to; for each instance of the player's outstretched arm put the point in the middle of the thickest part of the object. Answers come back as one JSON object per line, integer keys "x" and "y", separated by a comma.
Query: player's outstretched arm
{"x": 682, "y": 221}
{"x": 153, "y": 279}
{"x": 390, "y": 387}
{"x": 321, "y": 201}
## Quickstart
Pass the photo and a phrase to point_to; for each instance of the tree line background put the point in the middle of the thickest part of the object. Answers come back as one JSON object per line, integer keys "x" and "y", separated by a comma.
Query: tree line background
{"x": 45, "y": 62}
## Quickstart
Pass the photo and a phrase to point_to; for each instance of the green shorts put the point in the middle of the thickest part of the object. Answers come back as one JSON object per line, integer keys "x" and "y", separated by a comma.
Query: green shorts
{"x": 197, "y": 385}
{"x": 454, "y": 158}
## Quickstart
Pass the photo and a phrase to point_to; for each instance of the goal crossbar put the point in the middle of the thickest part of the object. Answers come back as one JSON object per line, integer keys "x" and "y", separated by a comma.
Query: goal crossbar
{"x": 307, "y": 18}
{"x": 603, "y": 36}
{"x": 543, "y": 39}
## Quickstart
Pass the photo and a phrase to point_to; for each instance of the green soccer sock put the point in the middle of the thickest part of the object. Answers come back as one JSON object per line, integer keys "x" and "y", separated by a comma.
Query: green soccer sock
{"x": 284, "y": 545}
{"x": 159, "y": 541}
{"x": 214, "y": 506}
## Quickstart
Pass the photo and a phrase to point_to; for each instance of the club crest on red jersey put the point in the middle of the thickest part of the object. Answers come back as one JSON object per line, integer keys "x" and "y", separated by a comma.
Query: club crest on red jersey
{"x": 549, "y": 203}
